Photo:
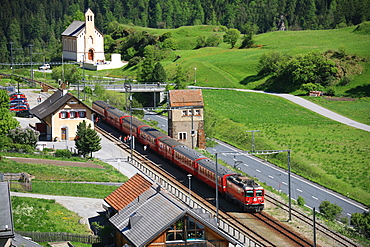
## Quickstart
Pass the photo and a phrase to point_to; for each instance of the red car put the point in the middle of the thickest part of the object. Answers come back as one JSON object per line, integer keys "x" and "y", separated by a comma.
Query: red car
{"x": 17, "y": 96}
{"x": 19, "y": 108}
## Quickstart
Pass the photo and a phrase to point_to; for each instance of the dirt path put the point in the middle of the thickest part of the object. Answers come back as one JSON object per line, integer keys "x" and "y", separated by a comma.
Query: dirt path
{"x": 54, "y": 162}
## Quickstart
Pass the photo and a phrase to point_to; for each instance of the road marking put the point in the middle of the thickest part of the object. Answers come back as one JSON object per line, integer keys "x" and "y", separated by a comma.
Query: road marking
{"x": 299, "y": 190}
{"x": 258, "y": 170}
{"x": 284, "y": 183}
{"x": 271, "y": 177}
{"x": 315, "y": 198}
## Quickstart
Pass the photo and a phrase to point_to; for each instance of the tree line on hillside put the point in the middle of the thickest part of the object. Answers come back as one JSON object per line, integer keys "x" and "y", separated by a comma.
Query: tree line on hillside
{"x": 40, "y": 22}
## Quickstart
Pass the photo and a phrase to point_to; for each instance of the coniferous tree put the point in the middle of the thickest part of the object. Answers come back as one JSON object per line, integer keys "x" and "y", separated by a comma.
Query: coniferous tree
{"x": 146, "y": 68}
{"x": 180, "y": 79}
{"x": 87, "y": 140}
{"x": 159, "y": 74}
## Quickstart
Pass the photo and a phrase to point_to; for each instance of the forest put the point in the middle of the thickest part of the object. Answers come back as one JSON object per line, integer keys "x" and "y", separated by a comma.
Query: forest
{"x": 37, "y": 24}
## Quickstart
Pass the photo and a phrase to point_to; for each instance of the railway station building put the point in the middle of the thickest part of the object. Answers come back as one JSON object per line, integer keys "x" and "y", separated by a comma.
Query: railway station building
{"x": 59, "y": 116}
{"x": 185, "y": 120}
{"x": 153, "y": 217}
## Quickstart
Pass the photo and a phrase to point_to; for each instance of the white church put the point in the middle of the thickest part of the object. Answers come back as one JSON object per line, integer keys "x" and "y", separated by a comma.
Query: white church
{"x": 84, "y": 43}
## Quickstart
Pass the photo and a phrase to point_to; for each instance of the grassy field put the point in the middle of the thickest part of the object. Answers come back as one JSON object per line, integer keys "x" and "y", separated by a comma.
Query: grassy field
{"x": 51, "y": 180}
{"x": 30, "y": 214}
{"x": 327, "y": 152}
{"x": 356, "y": 109}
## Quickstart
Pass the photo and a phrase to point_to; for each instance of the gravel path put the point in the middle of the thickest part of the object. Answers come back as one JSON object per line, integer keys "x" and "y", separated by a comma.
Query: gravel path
{"x": 54, "y": 162}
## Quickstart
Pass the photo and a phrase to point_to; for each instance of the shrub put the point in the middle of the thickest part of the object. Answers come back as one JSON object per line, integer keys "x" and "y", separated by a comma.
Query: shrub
{"x": 26, "y": 136}
{"x": 63, "y": 153}
{"x": 344, "y": 81}
{"x": 301, "y": 201}
{"x": 329, "y": 211}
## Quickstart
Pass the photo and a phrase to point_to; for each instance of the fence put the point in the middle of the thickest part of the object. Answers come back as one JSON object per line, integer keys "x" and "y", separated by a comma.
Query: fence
{"x": 62, "y": 236}
{"x": 17, "y": 181}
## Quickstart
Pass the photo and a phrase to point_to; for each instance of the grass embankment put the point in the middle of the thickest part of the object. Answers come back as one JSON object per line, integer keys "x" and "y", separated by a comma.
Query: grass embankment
{"x": 53, "y": 180}
{"x": 329, "y": 153}
{"x": 42, "y": 215}
{"x": 51, "y": 216}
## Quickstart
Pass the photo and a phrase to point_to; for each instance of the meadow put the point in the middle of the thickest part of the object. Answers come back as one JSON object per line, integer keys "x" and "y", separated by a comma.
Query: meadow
{"x": 55, "y": 180}
{"x": 324, "y": 151}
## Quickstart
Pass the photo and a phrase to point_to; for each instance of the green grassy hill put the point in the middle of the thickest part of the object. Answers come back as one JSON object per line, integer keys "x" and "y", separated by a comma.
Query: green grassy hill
{"x": 224, "y": 67}
{"x": 327, "y": 152}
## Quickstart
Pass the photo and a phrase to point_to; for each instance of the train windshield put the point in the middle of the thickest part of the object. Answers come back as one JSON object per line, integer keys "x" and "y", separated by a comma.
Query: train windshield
{"x": 249, "y": 193}
{"x": 259, "y": 193}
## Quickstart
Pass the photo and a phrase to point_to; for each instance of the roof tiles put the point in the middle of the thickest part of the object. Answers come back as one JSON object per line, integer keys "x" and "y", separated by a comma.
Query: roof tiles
{"x": 128, "y": 192}
{"x": 189, "y": 97}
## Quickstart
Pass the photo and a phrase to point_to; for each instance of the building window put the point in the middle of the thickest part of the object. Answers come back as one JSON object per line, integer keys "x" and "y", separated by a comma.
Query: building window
{"x": 81, "y": 114}
{"x": 185, "y": 113}
{"x": 72, "y": 114}
{"x": 195, "y": 230}
{"x": 182, "y": 136}
{"x": 190, "y": 112}
{"x": 197, "y": 112}
{"x": 63, "y": 114}
{"x": 176, "y": 231}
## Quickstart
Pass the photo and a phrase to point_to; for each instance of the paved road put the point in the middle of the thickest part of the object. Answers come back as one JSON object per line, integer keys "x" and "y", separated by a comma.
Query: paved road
{"x": 307, "y": 104}
{"x": 276, "y": 177}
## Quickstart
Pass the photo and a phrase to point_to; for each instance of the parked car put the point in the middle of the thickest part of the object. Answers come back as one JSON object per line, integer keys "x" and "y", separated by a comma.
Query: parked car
{"x": 18, "y": 102}
{"x": 25, "y": 113}
{"x": 18, "y": 95}
{"x": 44, "y": 66}
{"x": 18, "y": 98}
{"x": 19, "y": 108}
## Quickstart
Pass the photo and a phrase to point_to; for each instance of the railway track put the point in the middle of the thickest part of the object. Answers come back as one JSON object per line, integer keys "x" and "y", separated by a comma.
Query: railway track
{"x": 328, "y": 233}
{"x": 246, "y": 234}
{"x": 273, "y": 223}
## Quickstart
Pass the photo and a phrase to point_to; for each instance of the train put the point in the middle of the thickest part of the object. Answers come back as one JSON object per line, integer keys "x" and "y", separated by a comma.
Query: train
{"x": 245, "y": 192}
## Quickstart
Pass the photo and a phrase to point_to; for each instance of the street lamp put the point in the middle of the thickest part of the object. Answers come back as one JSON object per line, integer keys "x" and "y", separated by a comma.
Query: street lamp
{"x": 195, "y": 75}
{"x": 189, "y": 177}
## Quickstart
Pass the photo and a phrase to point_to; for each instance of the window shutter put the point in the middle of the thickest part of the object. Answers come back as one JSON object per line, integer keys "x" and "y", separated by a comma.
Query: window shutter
{"x": 68, "y": 115}
{"x": 77, "y": 114}
{"x": 60, "y": 114}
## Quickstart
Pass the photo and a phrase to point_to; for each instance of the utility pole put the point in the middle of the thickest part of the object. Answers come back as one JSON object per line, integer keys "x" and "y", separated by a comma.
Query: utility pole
{"x": 253, "y": 146}
{"x": 30, "y": 46}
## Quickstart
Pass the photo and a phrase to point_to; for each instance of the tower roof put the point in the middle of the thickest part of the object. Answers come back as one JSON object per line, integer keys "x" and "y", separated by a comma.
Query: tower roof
{"x": 188, "y": 97}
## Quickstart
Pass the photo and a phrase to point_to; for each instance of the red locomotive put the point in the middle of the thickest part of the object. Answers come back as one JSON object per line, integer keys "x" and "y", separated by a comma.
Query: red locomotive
{"x": 245, "y": 192}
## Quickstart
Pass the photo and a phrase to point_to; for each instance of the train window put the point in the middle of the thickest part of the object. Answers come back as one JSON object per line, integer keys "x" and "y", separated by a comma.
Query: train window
{"x": 182, "y": 135}
{"x": 259, "y": 193}
{"x": 249, "y": 193}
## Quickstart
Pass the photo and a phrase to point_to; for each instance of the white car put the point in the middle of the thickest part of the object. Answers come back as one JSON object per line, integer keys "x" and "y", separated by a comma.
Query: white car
{"x": 44, "y": 66}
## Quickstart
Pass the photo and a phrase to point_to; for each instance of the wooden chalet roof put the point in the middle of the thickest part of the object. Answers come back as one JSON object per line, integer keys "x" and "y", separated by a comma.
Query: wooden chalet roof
{"x": 152, "y": 213}
{"x": 188, "y": 97}
{"x": 128, "y": 192}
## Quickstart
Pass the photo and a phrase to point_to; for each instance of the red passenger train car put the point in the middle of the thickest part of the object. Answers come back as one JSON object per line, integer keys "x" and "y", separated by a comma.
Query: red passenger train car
{"x": 245, "y": 192}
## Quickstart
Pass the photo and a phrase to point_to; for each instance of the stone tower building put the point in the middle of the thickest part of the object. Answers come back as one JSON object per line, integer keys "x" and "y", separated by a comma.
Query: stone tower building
{"x": 186, "y": 123}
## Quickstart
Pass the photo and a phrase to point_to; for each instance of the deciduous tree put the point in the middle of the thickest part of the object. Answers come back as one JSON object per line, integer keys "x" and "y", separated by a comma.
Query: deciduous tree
{"x": 231, "y": 36}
